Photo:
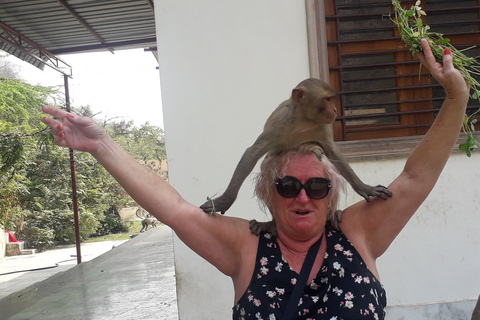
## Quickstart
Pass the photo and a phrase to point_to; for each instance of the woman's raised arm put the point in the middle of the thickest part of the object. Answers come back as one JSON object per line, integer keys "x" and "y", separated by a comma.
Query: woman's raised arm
{"x": 217, "y": 238}
{"x": 381, "y": 221}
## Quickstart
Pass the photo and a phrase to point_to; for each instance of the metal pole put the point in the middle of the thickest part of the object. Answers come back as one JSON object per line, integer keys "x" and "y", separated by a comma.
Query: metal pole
{"x": 74, "y": 180}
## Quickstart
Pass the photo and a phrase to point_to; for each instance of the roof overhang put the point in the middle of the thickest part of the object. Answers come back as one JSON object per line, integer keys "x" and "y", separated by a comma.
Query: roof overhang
{"x": 38, "y": 31}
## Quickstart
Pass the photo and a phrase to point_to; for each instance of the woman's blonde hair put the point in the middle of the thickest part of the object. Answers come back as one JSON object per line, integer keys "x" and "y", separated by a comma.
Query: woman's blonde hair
{"x": 274, "y": 167}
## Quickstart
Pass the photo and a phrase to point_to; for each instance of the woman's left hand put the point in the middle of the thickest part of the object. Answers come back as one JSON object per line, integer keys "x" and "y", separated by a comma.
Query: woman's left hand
{"x": 449, "y": 77}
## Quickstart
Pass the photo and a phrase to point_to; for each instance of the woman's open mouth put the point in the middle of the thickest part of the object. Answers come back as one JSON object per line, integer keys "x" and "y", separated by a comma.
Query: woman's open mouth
{"x": 302, "y": 213}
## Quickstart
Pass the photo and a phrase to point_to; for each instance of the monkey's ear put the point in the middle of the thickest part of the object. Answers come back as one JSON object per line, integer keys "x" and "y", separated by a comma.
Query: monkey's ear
{"x": 299, "y": 95}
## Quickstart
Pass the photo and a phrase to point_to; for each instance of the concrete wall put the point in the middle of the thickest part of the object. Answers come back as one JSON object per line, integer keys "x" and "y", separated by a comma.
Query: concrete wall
{"x": 224, "y": 66}
{"x": 431, "y": 270}
{"x": 128, "y": 213}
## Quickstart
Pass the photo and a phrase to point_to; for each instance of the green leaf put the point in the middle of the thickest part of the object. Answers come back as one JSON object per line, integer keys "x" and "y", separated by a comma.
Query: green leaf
{"x": 442, "y": 41}
{"x": 419, "y": 23}
{"x": 475, "y": 94}
{"x": 463, "y": 146}
{"x": 469, "y": 145}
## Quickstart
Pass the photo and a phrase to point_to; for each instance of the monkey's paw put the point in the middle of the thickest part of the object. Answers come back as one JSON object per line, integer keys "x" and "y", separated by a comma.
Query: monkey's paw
{"x": 258, "y": 227}
{"x": 220, "y": 204}
{"x": 378, "y": 191}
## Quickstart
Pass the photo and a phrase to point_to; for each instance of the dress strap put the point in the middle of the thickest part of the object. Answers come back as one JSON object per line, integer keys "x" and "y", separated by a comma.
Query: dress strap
{"x": 302, "y": 280}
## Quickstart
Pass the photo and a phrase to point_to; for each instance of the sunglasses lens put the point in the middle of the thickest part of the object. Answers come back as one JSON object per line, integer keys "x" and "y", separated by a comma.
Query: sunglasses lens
{"x": 288, "y": 187}
{"x": 317, "y": 188}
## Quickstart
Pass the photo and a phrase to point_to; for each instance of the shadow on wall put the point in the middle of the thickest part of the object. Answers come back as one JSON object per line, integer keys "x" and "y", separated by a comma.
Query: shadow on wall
{"x": 476, "y": 311}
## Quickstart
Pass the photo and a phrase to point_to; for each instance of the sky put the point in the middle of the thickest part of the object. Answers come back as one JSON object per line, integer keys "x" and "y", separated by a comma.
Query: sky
{"x": 125, "y": 84}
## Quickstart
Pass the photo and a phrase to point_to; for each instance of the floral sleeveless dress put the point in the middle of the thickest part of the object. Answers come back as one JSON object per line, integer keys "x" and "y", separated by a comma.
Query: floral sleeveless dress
{"x": 343, "y": 289}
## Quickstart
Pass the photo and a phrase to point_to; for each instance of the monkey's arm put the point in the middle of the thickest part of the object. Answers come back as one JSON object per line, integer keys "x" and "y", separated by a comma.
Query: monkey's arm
{"x": 374, "y": 226}
{"x": 243, "y": 169}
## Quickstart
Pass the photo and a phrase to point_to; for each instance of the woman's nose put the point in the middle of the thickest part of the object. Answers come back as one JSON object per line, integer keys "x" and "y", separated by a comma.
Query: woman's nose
{"x": 302, "y": 196}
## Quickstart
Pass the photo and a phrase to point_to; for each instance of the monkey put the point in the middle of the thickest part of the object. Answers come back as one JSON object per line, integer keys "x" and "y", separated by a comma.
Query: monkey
{"x": 307, "y": 116}
{"x": 149, "y": 220}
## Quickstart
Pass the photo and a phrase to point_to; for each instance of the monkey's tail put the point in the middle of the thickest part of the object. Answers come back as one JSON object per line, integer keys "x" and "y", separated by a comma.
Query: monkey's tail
{"x": 137, "y": 212}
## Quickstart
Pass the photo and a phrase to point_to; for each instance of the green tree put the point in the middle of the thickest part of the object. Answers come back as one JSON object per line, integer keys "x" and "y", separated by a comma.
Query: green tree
{"x": 20, "y": 132}
{"x": 35, "y": 177}
{"x": 144, "y": 143}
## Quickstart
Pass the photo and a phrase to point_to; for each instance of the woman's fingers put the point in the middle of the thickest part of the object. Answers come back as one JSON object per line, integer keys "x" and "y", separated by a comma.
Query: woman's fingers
{"x": 428, "y": 59}
{"x": 448, "y": 60}
{"x": 57, "y": 113}
{"x": 449, "y": 77}
{"x": 57, "y": 127}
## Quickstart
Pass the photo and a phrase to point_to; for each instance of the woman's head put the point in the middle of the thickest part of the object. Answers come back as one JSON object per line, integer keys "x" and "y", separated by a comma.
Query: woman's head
{"x": 275, "y": 166}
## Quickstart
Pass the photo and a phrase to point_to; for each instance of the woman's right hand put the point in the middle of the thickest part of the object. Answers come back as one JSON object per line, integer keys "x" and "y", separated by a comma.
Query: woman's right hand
{"x": 76, "y": 132}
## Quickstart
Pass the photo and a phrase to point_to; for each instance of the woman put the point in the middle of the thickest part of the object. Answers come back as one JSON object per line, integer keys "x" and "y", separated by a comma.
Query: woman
{"x": 301, "y": 218}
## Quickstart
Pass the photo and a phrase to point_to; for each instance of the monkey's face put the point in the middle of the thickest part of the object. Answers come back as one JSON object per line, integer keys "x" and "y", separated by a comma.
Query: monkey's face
{"x": 301, "y": 217}
{"x": 322, "y": 110}
{"x": 328, "y": 109}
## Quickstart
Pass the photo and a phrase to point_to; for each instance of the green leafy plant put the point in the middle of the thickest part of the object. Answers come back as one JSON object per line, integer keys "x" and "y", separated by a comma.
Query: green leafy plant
{"x": 410, "y": 25}
{"x": 35, "y": 237}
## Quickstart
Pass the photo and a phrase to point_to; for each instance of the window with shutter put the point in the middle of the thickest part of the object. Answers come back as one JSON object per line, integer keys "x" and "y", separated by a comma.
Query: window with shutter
{"x": 383, "y": 92}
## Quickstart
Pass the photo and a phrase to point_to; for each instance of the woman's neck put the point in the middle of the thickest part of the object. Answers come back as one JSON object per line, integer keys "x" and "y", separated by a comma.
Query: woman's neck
{"x": 298, "y": 245}
{"x": 295, "y": 250}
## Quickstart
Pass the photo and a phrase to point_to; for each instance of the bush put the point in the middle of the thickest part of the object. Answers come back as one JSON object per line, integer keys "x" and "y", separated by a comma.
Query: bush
{"x": 60, "y": 224}
{"x": 112, "y": 223}
{"x": 35, "y": 237}
{"x": 88, "y": 225}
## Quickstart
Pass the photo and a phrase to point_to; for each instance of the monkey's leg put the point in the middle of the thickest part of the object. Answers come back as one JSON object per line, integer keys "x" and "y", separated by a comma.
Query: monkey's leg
{"x": 347, "y": 172}
{"x": 243, "y": 169}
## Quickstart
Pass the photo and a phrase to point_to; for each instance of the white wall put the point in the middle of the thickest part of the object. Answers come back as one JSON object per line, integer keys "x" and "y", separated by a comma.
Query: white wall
{"x": 224, "y": 66}
{"x": 434, "y": 263}
{"x": 436, "y": 257}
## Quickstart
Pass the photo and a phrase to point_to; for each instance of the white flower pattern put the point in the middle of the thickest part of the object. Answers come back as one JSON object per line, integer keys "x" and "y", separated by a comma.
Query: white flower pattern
{"x": 343, "y": 289}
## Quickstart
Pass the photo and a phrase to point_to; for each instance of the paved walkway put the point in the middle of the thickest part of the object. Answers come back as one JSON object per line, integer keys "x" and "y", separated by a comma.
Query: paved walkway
{"x": 116, "y": 280}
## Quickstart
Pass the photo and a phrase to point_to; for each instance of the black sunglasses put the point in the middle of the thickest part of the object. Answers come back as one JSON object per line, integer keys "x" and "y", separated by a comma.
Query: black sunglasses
{"x": 290, "y": 187}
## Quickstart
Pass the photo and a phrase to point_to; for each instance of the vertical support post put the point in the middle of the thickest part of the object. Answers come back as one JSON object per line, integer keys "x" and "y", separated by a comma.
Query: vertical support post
{"x": 317, "y": 39}
{"x": 74, "y": 180}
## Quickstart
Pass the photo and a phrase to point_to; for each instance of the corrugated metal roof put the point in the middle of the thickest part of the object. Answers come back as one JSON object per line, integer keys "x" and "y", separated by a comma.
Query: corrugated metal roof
{"x": 45, "y": 28}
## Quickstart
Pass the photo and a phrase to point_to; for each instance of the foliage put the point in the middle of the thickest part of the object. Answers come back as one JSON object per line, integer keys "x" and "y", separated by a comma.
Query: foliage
{"x": 35, "y": 177}
{"x": 134, "y": 227}
{"x": 20, "y": 133}
{"x": 112, "y": 223}
{"x": 412, "y": 30}
{"x": 35, "y": 237}
{"x": 20, "y": 107}
{"x": 146, "y": 142}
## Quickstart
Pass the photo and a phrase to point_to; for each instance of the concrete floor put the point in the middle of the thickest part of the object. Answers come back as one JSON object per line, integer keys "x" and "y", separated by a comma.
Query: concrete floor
{"x": 135, "y": 280}
{"x": 20, "y": 272}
